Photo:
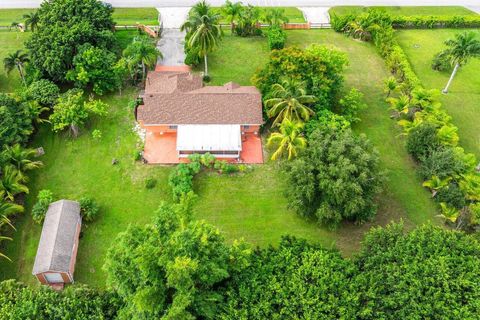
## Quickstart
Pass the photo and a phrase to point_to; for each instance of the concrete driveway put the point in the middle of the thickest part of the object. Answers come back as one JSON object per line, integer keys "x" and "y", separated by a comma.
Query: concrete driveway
{"x": 316, "y": 14}
{"x": 171, "y": 43}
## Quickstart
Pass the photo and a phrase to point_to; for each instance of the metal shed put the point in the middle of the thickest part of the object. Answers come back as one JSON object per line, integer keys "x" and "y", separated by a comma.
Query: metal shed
{"x": 57, "y": 249}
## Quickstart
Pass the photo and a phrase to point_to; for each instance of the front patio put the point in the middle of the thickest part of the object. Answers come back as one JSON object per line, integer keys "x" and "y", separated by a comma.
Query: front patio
{"x": 162, "y": 149}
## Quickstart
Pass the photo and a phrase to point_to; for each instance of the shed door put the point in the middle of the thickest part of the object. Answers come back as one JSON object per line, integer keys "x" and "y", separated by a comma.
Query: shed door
{"x": 54, "y": 277}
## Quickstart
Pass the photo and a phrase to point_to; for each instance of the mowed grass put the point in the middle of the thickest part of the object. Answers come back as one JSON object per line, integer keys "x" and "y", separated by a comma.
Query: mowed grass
{"x": 292, "y": 13}
{"x": 10, "y": 41}
{"x": 407, "y": 11}
{"x": 463, "y": 100}
{"x": 253, "y": 196}
{"x": 122, "y": 16}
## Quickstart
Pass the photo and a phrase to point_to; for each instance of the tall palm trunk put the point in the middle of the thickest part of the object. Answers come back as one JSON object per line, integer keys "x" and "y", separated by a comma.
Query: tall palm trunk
{"x": 20, "y": 71}
{"x": 206, "y": 64}
{"x": 454, "y": 72}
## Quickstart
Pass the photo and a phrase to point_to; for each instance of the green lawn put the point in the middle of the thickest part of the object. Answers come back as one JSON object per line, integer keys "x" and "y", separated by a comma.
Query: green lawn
{"x": 294, "y": 14}
{"x": 407, "y": 11}
{"x": 10, "y": 41}
{"x": 122, "y": 16}
{"x": 463, "y": 100}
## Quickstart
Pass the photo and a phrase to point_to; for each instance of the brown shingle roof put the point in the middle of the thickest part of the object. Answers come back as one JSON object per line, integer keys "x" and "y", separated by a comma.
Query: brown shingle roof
{"x": 176, "y": 98}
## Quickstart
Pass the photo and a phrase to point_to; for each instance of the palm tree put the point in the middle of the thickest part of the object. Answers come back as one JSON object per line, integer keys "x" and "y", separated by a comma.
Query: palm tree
{"x": 16, "y": 60}
{"x": 14, "y": 25}
{"x": 289, "y": 101}
{"x": 31, "y": 19}
{"x": 449, "y": 213}
{"x": 21, "y": 158}
{"x": 1, "y": 254}
{"x": 288, "y": 140}
{"x": 143, "y": 52}
{"x": 232, "y": 12}
{"x": 203, "y": 30}
{"x": 11, "y": 183}
{"x": 275, "y": 16}
{"x": 435, "y": 184}
{"x": 391, "y": 85}
{"x": 462, "y": 48}
{"x": 7, "y": 209}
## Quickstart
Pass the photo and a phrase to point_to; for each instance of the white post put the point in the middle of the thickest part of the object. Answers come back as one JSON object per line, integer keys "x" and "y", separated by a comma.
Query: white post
{"x": 445, "y": 91}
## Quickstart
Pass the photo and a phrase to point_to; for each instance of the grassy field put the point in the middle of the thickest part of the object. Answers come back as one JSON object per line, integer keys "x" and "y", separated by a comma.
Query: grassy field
{"x": 407, "y": 11}
{"x": 250, "y": 206}
{"x": 10, "y": 41}
{"x": 294, "y": 14}
{"x": 463, "y": 100}
{"x": 122, "y": 16}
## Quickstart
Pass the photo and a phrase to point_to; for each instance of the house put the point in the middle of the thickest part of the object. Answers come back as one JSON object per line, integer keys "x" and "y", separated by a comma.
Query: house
{"x": 57, "y": 250}
{"x": 182, "y": 117}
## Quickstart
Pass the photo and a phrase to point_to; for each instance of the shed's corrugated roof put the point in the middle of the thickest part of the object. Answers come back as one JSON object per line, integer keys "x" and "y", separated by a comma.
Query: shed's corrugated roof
{"x": 55, "y": 248}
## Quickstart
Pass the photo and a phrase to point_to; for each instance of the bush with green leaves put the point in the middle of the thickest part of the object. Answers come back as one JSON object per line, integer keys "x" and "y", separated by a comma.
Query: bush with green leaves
{"x": 150, "y": 183}
{"x": 443, "y": 163}
{"x": 452, "y": 195}
{"x": 19, "y": 301}
{"x": 422, "y": 141}
{"x": 294, "y": 280}
{"x": 15, "y": 121}
{"x": 430, "y": 22}
{"x": 318, "y": 67}
{"x": 441, "y": 62}
{"x": 276, "y": 37}
{"x": 89, "y": 209}
{"x": 326, "y": 119}
{"x": 350, "y": 105}
{"x": 39, "y": 209}
{"x": 43, "y": 91}
{"x": 181, "y": 179}
{"x": 336, "y": 178}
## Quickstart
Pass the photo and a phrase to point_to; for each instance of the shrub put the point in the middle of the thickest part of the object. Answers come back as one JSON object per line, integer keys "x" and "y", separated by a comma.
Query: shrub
{"x": 441, "y": 62}
{"x": 206, "y": 78}
{"x": 351, "y": 104}
{"x": 192, "y": 57}
{"x": 137, "y": 155}
{"x": 150, "y": 183}
{"x": 208, "y": 160}
{"x": 276, "y": 37}
{"x": 452, "y": 196}
{"x": 336, "y": 178}
{"x": 97, "y": 134}
{"x": 181, "y": 179}
{"x": 422, "y": 141}
{"x": 39, "y": 209}
{"x": 44, "y": 92}
{"x": 326, "y": 119}
{"x": 442, "y": 163}
{"x": 229, "y": 168}
{"x": 89, "y": 209}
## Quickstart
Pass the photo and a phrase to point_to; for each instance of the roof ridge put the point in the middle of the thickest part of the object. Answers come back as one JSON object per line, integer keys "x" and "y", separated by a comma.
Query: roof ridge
{"x": 62, "y": 202}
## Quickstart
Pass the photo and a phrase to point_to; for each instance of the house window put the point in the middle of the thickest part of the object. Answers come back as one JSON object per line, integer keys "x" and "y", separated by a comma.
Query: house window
{"x": 172, "y": 127}
{"x": 246, "y": 127}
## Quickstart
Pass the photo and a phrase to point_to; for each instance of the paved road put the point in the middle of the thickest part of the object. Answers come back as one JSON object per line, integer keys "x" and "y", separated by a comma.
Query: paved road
{"x": 291, "y": 3}
{"x": 172, "y": 41}
{"x": 316, "y": 14}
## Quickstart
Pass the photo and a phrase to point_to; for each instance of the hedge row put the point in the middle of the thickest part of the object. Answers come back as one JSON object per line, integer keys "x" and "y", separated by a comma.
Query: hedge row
{"x": 430, "y": 22}
{"x": 431, "y": 137}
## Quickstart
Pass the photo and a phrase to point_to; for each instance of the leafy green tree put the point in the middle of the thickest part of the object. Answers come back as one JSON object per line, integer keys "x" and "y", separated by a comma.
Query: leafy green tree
{"x": 11, "y": 183}
{"x": 318, "y": 67}
{"x": 423, "y": 140}
{"x": 43, "y": 91}
{"x": 350, "y": 105}
{"x": 71, "y": 111}
{"x": 15, "y": 121}
{"x": 289, "y": 100}
{"x": 248, "y": 22}
{"x": 173, "y": 268}
{"x": 94, "y": 67}
{"x": 428, "y": 273}
{"x": 17, "y": 60}
{"x": 31, "y": 20}
{"x": 203, "y": 30}
{"x": 461, "y": 49}
{"x": 288, "y": 140}
{"x": 275, "y": 16}
{"x": 232, "y": 11}
{"x": 294, "y": 280}
{"x": 336, "y": 178}
{"x": 142, "y": 52}
{"x": 64, "y": 26}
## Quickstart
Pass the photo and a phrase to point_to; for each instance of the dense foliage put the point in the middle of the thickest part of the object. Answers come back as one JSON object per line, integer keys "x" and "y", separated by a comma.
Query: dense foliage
{"x": 15, "y": 120}
{"x": 295, "y": 280}
{"x": 65, "y": 26}
{"x": 276, "y": 37}
{"x": 44, "y": 92}
{"x": 173, "y": 268}
{"x": 39, "y": 209}
{"x": 318, "y": 67}
{"x": 336, "y": 178}
{"x": 19, "y": 302}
